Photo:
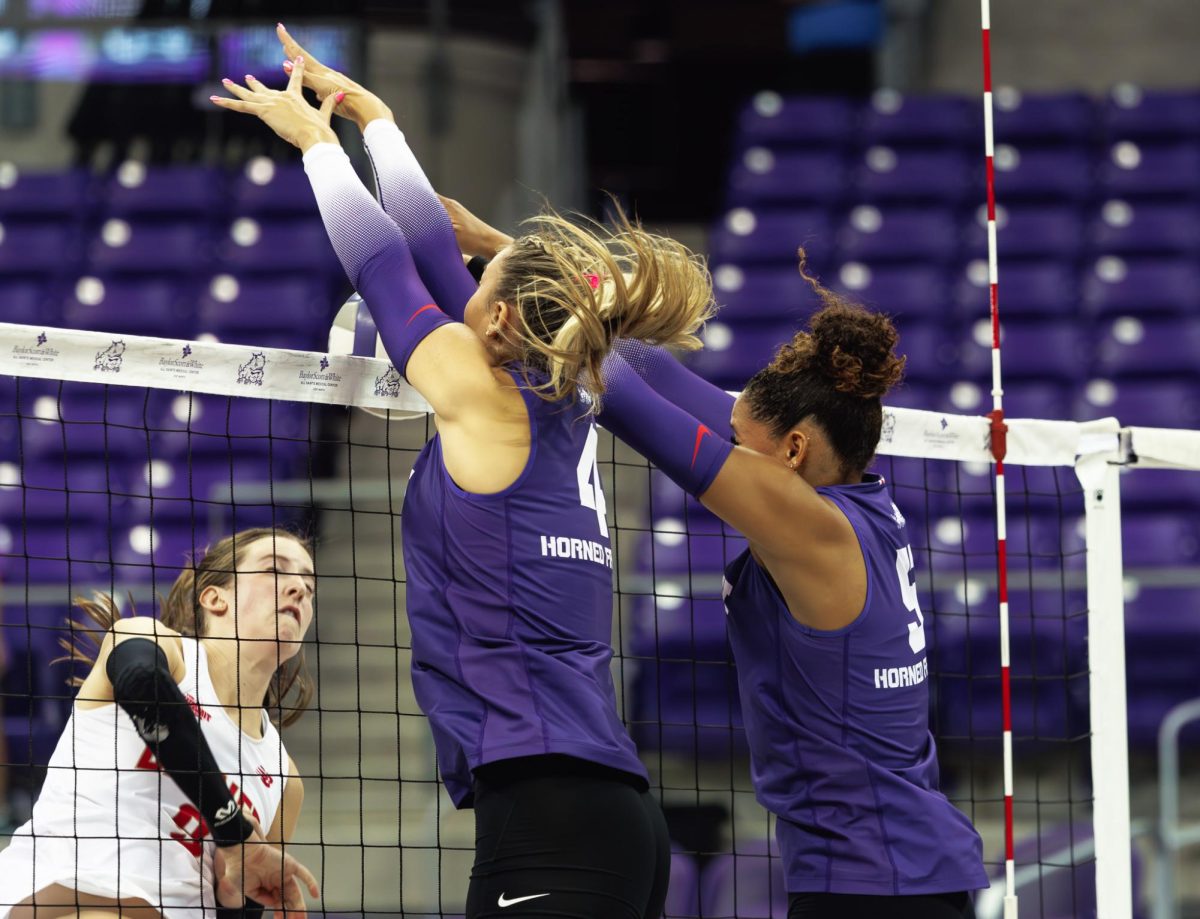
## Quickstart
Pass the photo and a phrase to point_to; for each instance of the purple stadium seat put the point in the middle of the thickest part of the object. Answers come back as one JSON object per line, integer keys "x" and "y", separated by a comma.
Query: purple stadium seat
{"x": 221, "y": 417}
{"x": 231, "y": 306}
{"x": 29, "y": 302}
{"x": 930, "y": 351}
{"x": 683, "y": 895}
{"x": 162, "y": 306}
{"x": 885, "y": 175}
{"x": 671, "y": 508}
{"x": 1131, "y": 347}
{"x": 1041, "y": 290}
{"x": 1122, "y": 228}
{"x": 47, "y": 552}
{"x": 762, "y": 293}
{"x": 747, "y": 236}
{"x": 681, "y": 627}
{"x": 1164, "y": 115}
{"x": 970, "y": 542}
{"x": 1042, "y": 175}
{"x": 912, "y": 394}
{"x": 269, "y": 188}
{"x": 677, "y": 555}
{"x": 149, "y": 247}
{"x": 1158, "y": 539}
{"x": 1051, "y": 118}
{"x": 796, "y": 121}
{"x": 154, "y": 553}
{"x": 892, "y": 118}
{"x": 905, "y": 292}
{"x": 687, "y": 705}
{"x": 1160, "y": 489}
{"x": 873, "y": 235}
{"x": 42, "y": 195}
{"x": 167, "y": 191}
{"x": 733, "y": 354}
{"x": 763, "y": 176}
{"x": 747, "y": 884}
{"x": 1144, "y": 403}
{"x": 1031, "y": 231}
{"x": 1162, "y": 640}
{"x": 1117, "y": 286}
{"x": 38, "y": 248}
{"x": 1132, "y": 170}
{"x": 84, "y": 423}
{"x": 278, "y": 246}
{"x": 1048, "y": 647}
{"x": 1058, "y": 350}
{"x": 1022, "y": 399}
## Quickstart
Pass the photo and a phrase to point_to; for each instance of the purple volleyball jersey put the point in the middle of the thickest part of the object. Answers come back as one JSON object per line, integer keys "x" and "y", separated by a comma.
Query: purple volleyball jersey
{"x": 838, "y": 725}
{"x": 510, "y": 605}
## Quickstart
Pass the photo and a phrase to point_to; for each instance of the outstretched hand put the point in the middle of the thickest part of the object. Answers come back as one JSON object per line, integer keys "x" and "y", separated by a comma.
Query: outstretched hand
{"x": 359, "y": 104}
{"x": 475, "y": 237}
{"x": 262, "y": 872}
{"x": 284, "y": 111}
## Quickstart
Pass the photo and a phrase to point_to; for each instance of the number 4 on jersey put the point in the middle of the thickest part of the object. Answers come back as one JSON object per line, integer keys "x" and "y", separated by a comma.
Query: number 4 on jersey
{"x": 591, "y": 492}
{"x": 908, "y": 591}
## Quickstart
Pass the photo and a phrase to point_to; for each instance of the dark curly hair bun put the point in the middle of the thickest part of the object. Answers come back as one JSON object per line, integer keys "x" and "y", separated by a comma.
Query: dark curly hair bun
{"x": 853, "y": 347}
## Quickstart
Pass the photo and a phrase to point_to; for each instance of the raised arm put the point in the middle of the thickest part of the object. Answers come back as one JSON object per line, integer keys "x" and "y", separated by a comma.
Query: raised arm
{"x": 678, "y": 385}
{"x": 404, "y": 191}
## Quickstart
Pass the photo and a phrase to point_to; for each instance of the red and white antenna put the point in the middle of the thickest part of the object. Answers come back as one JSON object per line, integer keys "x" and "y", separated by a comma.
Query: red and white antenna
{"x": 998, "y": 431}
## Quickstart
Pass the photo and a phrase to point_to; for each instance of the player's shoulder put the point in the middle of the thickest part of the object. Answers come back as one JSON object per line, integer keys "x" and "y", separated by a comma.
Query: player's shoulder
{"x": 147, "y": 626}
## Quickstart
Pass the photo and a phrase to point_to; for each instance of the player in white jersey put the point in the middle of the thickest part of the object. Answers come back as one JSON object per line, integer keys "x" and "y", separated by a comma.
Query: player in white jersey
{"x": 187, "y": 695}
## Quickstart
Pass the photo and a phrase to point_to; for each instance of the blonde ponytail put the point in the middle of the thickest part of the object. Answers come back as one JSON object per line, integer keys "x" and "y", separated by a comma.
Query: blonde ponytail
{"x": 578, "y": 289}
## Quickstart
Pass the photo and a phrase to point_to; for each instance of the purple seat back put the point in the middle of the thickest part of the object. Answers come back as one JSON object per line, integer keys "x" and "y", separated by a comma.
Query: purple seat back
{"x": 149, "y": 247}
{"x": 160, "y": 306}
{"x": 761, "y": 293}
{"x": 1130, "y": 347}
{"x": 253, "y": 247}
{"x": 796, "y": 121}
{"x": 763, "y": 176}
{"x": 267, "y": 188}
{"x": 749, "y": 236}
{"x": 42, "y": 195}
{"x": 1144, "y": 403}
{"x": 931, "y": 120}
{"x": 1033, "y": 231}
{"x": 1133, "y": 170}
{"x": 1041, "y": 290}
{"x": 1151, "y": 228}
{"x": 1043, "y": 175}
{"x": 1029, "y": 350}
{"x": 1043, "y": 118}
{"x": 44, "y": 247}
{"x": 872, "y": 235}
{"x": 886, "y": 175}
{"x": 1131, "y": 112}
{"x": 1115, "y": 286}
{"x": 906, "y": 292}
{"x": 169, "y": 191}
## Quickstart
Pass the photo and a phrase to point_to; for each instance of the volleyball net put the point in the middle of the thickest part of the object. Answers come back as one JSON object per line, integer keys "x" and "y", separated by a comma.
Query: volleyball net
{"x": 121, "y": 457}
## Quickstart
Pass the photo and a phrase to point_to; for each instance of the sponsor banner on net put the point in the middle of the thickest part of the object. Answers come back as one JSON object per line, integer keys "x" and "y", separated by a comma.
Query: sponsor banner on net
{"x": 205, "y": 367}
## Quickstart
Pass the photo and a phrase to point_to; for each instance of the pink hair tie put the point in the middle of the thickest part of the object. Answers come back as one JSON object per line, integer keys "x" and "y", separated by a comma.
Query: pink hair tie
{"x": 593, "y": 280}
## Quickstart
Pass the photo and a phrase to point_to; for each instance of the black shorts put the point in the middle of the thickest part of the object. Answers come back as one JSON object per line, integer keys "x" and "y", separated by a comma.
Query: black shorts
{"x": 850, "y": 906}
{"x": 557, "y": 836}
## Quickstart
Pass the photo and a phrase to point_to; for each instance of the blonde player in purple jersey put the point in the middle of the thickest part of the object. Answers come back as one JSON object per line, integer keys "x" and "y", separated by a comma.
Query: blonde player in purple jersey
{"x": 506, "y": 544}
{"x": 169, "y": 768}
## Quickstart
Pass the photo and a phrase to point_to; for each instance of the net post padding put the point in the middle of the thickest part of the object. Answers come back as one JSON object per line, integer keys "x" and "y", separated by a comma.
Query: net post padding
{"x": 1099, "y": 474}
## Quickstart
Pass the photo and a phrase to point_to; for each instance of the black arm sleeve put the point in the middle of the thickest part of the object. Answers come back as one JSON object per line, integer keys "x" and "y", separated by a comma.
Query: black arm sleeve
{"x": 143, "y": 687}
{"x": 252, "y": 909}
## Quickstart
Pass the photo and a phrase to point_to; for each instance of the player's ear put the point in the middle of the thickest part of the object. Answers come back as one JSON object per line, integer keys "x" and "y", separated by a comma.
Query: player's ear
{"x": 795, "y": 447}
{"x": 214, "y": 600}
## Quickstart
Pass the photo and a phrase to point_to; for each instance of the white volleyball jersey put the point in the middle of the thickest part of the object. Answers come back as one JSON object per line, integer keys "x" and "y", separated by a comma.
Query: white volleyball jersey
{"x": 108, "y": 822}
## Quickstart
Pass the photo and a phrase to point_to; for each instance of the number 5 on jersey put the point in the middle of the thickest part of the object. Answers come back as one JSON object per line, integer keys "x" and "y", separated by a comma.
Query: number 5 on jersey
{"x": 908, "y": 591}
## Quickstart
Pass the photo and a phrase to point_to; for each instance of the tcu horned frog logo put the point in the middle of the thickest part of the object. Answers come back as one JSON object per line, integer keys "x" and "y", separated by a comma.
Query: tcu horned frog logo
{"x": 251, "y": 372}
{"x": 389, "y": 383}
{"x": 889, "y": 427}
{"x": 109, "y": 360}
